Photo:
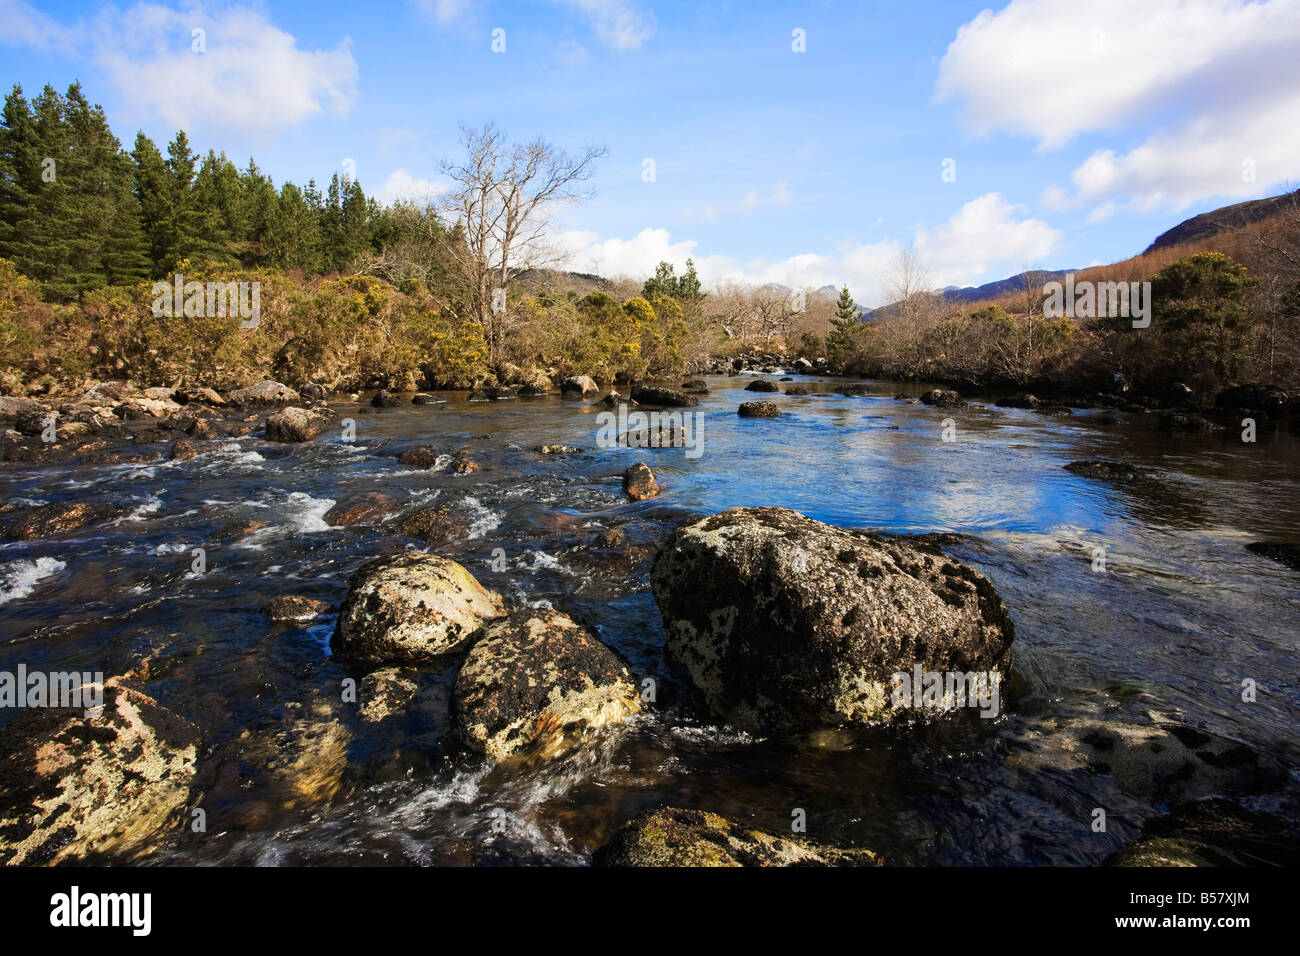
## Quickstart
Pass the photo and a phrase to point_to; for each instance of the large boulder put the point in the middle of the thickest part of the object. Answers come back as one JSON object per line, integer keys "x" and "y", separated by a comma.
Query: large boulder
{"x": 535, "y": 681}
{"x": 578, "y": 386}
{"x": 781, "y": 622}
{"x": 411, "y": 607}
{"x": 296, "y": 424}
{"x": 762, "y": 385}
{"x": 266, "y": 392}
{"x": 664, "y": 397}
{"x": 674, "y": 837}
{"x": 77, "y": 785}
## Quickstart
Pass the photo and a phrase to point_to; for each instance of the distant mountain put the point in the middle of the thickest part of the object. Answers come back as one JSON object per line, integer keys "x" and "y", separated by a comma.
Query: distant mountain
{"x": 1210, "y": 224}
{"x": 983, "y": 293}
{"x": 1204, "y": 226}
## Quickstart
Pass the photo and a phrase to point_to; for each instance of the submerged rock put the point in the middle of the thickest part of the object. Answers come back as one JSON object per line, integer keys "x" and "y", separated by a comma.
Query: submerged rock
{"x": 55, "y": 518}
{"x": 292, "y": 608}
{"x": 758, "y": 410}
{"x": 1213, "y": 833}
{"x": 797, "y": 390}
{"x": 411, "y": 607}
{"x": 426, "y": 456}
{"x": 368, "y": 507}
{"x": 78, "y": 788}
{"x": 782, "y": 622}
{"x": 557, "y": 450}
{"x": 534, "y": 681}
{"x": 1105, "y": 470}
{"x": 1283, "y": 553}
{"x": 670, "y": 836}
{"x": 639, "y": 482}
{"x": 1023, "y": 400}
{"x": 436, "y": 524}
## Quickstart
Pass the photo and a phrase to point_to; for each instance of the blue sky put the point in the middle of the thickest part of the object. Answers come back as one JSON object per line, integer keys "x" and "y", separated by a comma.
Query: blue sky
{"x": 1077, "y": 131}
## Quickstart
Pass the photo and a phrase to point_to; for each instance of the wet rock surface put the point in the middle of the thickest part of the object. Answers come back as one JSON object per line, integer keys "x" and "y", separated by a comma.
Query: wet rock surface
{"x": 675, "y": 837}
{"x": 782, "y": 622}
{"x": 411, "y": 607}
{"x": 98, "y": 788}
{"x": 535, "y": 681}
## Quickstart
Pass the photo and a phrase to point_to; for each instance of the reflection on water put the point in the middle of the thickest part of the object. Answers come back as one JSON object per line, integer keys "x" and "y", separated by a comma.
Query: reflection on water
{"x": 1180, "y": 617}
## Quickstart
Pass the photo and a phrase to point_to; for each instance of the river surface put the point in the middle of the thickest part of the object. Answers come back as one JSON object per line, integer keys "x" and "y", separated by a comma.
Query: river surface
{"x": 1179, "y": 617}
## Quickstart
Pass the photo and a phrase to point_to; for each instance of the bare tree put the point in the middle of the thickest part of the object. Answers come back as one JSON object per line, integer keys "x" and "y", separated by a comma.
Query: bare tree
{"x": 503, "y": 197}
{"x": 915, "y": 310}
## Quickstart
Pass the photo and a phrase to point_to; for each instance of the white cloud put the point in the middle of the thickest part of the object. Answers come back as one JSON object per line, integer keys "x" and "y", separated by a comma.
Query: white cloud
{"x": 444, "y": 11}
{"x": 984, "y": 235}
{"x": 240, "y": 73}
{"x": 27, "y": 26}
{"x": 402, "y": 186}
{"x": 617, "y": 23}
{"x": 1211, "y": 83}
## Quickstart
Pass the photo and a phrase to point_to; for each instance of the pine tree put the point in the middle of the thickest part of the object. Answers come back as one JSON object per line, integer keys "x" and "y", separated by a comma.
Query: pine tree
{"x": 845, "y": 327}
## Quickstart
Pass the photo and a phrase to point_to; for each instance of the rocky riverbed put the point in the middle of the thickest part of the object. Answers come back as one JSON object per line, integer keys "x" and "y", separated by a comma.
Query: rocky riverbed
{"x": 480, "y": 628}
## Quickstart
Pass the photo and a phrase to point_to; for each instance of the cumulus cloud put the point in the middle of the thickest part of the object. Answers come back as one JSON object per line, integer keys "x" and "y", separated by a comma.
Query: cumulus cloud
{"x": 986, "y": 234}
{"x": 1211, "y": 84}
{"x": 224, "y": 69}
{"x": 401, "y": 186}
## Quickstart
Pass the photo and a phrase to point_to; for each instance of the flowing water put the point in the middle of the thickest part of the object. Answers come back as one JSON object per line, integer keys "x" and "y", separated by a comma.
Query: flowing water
{"x": 1181, "y": 615}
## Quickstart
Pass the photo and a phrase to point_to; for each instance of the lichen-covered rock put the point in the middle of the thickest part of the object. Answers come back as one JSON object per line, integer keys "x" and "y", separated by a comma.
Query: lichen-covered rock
{"x": 670, "y": 836}
{"x": 266, "y": 392}
{"x": 762, "y": 385}
{"x": 782, "y": 622}
{"x": 758, "y": 410}
{"x": 534, "y": 681}
{"x": 639, "y": 482}
{"x": 293, "y": 608}
{"x": 411, "y": 607}
{"x": 1159, "y": 763}
{"x": 436, "y": 524}
{"x": 92, "y": 788}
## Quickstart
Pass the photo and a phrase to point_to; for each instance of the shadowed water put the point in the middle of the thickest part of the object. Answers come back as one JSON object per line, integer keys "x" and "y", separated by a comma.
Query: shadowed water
{"x": 1180, "y": 617}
